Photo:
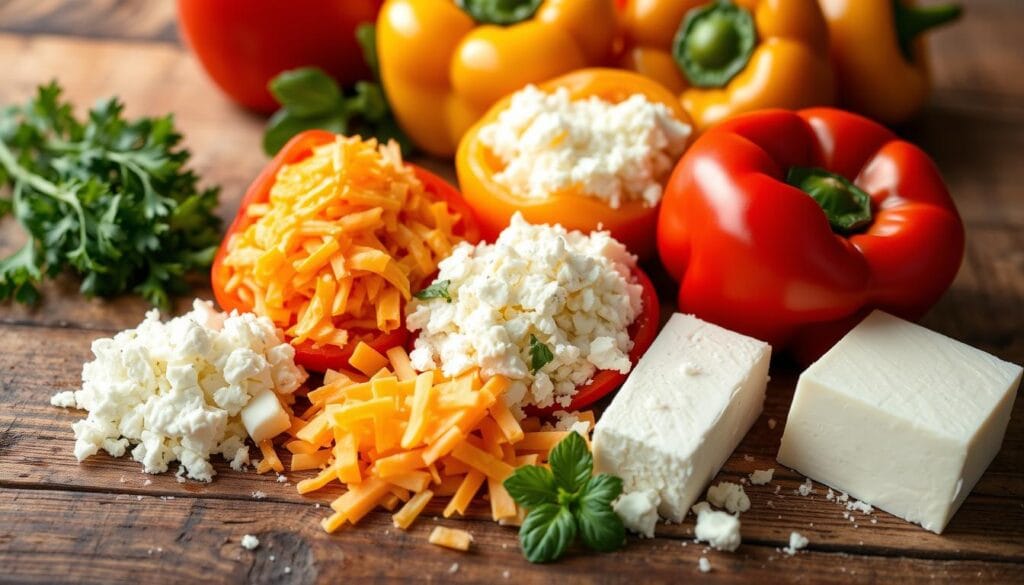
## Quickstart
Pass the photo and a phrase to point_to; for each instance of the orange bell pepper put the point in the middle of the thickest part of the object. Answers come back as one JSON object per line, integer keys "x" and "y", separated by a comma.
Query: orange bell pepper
{"x": 633, "y": 223}
{"x": 725, "y": 58}
{"x": 444, "y": 63}
{"x": 879, "y": 59}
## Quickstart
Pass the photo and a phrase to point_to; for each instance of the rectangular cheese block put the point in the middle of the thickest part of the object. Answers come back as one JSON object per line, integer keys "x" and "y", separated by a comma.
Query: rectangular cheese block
{"x": 682, "y": 412}
{"x": 900, "y": 417}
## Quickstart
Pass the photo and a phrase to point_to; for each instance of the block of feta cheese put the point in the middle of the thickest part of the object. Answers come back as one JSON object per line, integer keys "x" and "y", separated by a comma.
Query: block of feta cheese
{"x": 900, "y": 417}
{"x": 682, "y": 412}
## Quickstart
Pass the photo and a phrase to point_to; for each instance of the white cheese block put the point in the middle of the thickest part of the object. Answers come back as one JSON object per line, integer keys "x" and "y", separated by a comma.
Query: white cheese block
{"x": 682, "y": 411}
{"x": 264, "y": 417}
{"x": 900, "y": 417}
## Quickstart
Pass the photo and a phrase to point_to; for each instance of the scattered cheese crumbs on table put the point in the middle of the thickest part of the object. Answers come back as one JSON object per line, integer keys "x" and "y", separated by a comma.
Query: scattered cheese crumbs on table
{"x": 806, "y": 488}
{"x": 704, "y": 565}
{"x": 287, "y": 570}
{"x": 506, "y": 574}
{"x": 719, "y": 529}
{"x": 250, "y": 542}
{"x": 748, "y": 458}
{"x": 860, "y": 506}
{"x": 453, "y": 538}
{"x": 453, "y": 569}
{"x": 148, "y": 482}
{"x": 762, "y": 476}
{"x": 730, "y": 496}
{"x": 797, "y": 541}
{"x": 258, "y": 495}
{"x": 282, "y": 479}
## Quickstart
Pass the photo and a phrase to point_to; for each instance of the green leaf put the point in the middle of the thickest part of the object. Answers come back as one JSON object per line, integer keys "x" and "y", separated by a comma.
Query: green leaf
{"x": 540, "y": 354}
{"x": 366, "y": 36}
{"x": 531, "y": 486}
{"x": 600, "y": 527}
{"x": 571, "y": 463}
{"x": 438, "y": 290}
{"x": 546, "y": 533}
{"x": 283, "y": 125}
{"x": 306, "y": 92}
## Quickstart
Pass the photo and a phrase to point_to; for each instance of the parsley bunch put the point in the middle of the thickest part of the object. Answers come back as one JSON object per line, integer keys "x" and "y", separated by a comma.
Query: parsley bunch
{"x": 108, "y": 199}
{"x": 564, "y": 501}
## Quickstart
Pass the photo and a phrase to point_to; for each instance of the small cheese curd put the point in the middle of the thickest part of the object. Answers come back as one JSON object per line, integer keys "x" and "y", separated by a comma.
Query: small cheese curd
{"x": 615, "y": 152}
{"x": 537, "y": 290}
{"x": 179, "y": 391}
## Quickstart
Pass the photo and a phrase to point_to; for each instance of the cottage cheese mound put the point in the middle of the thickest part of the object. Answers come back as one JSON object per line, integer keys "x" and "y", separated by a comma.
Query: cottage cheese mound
{"x": 572, "y": 291}
{"x": 173, "y": 391}
{"x": 615, "y": 152}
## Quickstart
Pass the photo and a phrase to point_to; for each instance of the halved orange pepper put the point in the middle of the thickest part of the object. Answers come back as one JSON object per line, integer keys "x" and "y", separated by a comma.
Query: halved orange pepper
{"x": 878, "y": 55}
{"x": 725, "y": 58}
{"x": 633, "y": 223}
{"x": 443, "y": 63}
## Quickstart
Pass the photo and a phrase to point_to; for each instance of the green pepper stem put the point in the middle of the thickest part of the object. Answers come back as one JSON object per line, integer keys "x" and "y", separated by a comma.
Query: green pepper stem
{"x": 499, "y": 12}
{"x": 911, "y": 21}
{"x": 847, "y": 206}
{"x": 714, "y": 43}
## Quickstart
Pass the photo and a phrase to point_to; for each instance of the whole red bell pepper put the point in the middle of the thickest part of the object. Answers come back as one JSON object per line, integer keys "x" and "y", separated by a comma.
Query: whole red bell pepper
{"x": 792, "y": 226}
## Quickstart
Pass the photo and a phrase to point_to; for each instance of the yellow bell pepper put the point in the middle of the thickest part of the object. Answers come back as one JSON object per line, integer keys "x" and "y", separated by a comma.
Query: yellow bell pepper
{"x": 725, "y": 58}
{"x": 444, "y": 63}
{"x": 879, "y": 58}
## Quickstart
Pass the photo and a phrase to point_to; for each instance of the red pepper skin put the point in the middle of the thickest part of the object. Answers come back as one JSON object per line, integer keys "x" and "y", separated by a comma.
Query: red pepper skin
{"x": 758, "y": 256}
{"x": 325, "y": 357}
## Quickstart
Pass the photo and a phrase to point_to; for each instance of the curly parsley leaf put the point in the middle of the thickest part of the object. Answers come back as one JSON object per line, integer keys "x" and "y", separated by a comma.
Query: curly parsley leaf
{"x": 540, "y": 354}
{"x": 437, "y": 290}
{"x": 107, "y": 198}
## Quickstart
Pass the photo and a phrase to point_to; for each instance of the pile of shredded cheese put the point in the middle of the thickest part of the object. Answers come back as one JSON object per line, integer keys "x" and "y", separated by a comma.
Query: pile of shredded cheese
{"x": 394, "y": 436}
{"x": 348, "y": 234}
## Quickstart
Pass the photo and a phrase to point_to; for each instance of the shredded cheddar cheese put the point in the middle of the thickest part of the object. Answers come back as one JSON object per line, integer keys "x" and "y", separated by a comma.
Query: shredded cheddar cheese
{"x": 398, "y": 439}
{"x": 348, "y": 235}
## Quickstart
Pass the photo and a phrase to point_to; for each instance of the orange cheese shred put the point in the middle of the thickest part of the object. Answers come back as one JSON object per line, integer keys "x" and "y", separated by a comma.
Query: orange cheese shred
{"x": 452, "y": 538}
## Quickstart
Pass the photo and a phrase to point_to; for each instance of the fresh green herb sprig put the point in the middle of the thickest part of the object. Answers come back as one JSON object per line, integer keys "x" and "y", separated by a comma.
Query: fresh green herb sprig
{"x": 108, "y": 198}
{"x": 565, "y": 501}
{"x": 311, "y": 99}
{"x": 540, "y": 354}
{"x": 437, "y": 290}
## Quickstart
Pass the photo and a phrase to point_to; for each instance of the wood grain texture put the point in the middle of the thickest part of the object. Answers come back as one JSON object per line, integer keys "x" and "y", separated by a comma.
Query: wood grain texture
{"x": 101, "y": 522}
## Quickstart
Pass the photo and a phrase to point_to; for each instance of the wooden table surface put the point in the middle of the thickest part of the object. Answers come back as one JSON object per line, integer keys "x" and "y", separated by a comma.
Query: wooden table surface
{"x": 103, "y": 521}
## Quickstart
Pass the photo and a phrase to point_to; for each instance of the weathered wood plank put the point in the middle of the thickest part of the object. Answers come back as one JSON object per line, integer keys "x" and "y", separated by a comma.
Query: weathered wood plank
{"x": 110, "y": 19}
{"x": 106, "y": 538}
{"x": 36, "y": 451}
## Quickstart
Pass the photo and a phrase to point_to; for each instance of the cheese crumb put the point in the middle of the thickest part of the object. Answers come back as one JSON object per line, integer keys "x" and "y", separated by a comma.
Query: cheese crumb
{"x": 704, "y": 565}
{"x": 250, "y": 542}
{"x": 730, "y": 496}
{"x": 454, "y": 568}
{"x": 569, "y": 291}
{"x": 639, "y": 511}
{"x": 282, "y": 479}
{"x": 173, "y": 391}
{"x": 259, "y": 495}
{"x": 762, "y": 476}
{"x": 806, "y": 488}
{"x": 614, "y": 152}
{"x": 797, "y": 541}
{"x": 863, "y": 507}
{"x": 719, "y": 529}
{"x": 65, "y": 399}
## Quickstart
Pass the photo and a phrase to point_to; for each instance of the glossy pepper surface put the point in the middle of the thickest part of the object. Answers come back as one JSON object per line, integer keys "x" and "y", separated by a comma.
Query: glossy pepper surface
{"x": 444, "y": 63}
{"x": 726, "y": 58}
{"x": 879, "y": 57}
{"x": 633, "y": 223}
{"x": 326, "y": 356}
{"x": 792, "y": 226}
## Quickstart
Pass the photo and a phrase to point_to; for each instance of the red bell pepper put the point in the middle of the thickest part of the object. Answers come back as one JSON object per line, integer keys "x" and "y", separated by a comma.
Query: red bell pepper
{"x": 792, "y": 226}
{"x": 325, "y": 357}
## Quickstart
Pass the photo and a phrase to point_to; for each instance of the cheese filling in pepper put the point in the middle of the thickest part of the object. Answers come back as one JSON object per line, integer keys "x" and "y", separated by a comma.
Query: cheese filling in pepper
{"x": 616, "y": 152}
{"x": 542, "y": 306}
{"x": 348, "y": 234}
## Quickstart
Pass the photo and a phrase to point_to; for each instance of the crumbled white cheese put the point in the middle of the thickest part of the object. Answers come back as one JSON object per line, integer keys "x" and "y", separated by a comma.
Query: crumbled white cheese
{"x": 719, "y": 529}
{"x": 65, "y": 399}
{"x": 453, "y": 569}
{"x": 704, "y": 565}
{"x": 639, "y": 511}
{"x": 762, "y": 476}
{"x": 806, "y": 488}
{"x": 282, "y": 479}
{"x": 730, "y": 496}
{"x": 259, "y": 495}
{"x": 174, "y": 390}
{"x": 569, "y": 421}
{"x": 571, "y": 291}
{"x": 250, "y": 542}
{"x": 615, "y": 152}
{"x": 797, "y": 541}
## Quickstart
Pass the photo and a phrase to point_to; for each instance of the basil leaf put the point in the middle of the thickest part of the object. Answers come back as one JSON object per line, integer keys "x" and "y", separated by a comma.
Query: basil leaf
{"x": 306, "y": 92}
{"x": 531, "y": 486}
{"x": 546, "y": 533}
{"x": 438, "y": 290}
{"x": 571, "y": 463}
{"x": 600, "y": 527}
{"x": 283, "y": 125}
{"x": 366, "y": 36}
{"x": 540, "y": 354}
